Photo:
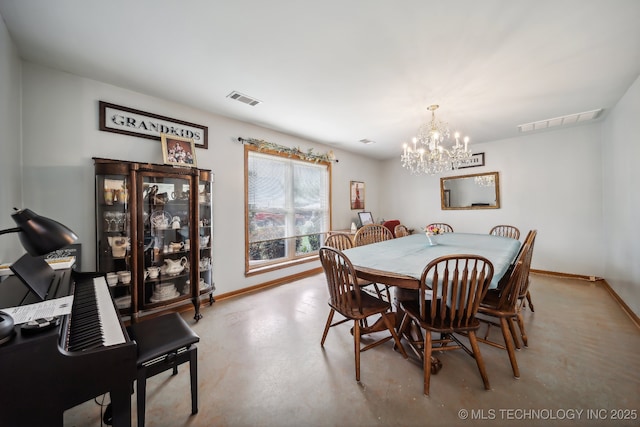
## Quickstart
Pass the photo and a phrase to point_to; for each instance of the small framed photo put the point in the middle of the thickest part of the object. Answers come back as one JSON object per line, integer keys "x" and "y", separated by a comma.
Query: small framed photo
{"x": 357, "y": 195}
{"x": 178, "y": 151}
{"x": 365, "y": 218}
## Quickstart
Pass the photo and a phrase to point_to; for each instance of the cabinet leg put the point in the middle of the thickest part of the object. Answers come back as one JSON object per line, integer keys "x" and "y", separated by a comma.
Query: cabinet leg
{"x": 196, "y": 305}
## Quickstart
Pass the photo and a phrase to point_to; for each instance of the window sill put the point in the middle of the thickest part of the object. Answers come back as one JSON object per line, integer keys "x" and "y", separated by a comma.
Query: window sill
{"x": 279, "y": 266}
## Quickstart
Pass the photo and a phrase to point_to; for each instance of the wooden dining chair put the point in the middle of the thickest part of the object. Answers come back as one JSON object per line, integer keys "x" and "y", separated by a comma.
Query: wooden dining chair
{"x": 499, "y": 309}
{"x": 505, "y": 231}
{"x": 347, "y": 299}
{"x": 400, "y": 231}
{"x": 373, "y": 233}
{"x": 525, "y": 293}
{"x": 445, "y": 227}
{"x": 524, "y": 256}
{"x": 451, "y": 288}
{"x": 342, "y": 241}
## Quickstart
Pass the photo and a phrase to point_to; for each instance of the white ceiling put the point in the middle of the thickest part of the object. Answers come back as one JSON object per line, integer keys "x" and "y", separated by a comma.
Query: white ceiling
{"x": 338, "y": 71}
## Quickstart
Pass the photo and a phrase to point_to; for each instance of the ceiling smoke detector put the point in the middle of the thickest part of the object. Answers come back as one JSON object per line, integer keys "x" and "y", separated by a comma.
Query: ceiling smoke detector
{"x": 560, "y": 121}
{"x": 244, "y": 98}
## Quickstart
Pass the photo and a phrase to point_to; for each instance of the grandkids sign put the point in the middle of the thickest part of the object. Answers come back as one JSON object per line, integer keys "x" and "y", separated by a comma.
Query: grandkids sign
{"x": 128, "y": 121}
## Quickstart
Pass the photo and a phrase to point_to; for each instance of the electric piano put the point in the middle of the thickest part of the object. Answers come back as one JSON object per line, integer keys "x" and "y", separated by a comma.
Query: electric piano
{"x": 88, "y": 354}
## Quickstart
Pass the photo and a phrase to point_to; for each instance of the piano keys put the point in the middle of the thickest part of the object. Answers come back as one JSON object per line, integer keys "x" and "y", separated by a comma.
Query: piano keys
{"x": 89, "y": 354}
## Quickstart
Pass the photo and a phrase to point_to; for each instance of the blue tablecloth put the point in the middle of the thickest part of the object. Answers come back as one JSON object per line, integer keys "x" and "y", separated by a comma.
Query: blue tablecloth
{"x": 410, "y": 255}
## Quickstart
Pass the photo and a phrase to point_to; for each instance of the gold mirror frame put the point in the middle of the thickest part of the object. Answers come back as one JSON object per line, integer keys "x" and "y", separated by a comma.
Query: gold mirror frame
{"x": 470, "y": 181}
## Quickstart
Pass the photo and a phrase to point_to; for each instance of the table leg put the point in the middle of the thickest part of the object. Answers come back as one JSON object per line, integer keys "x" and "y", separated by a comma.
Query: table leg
{"x": 414, "y": 334}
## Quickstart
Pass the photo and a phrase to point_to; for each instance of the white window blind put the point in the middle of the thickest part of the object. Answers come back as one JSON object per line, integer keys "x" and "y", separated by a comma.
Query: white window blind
{"x": 288, "y": 207}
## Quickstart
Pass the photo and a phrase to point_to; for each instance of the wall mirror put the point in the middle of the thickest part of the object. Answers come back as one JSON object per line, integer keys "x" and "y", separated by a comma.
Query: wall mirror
{"x": 476, "y": 191}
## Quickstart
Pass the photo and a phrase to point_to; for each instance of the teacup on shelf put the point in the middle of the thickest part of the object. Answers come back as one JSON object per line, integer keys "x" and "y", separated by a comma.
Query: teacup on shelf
{"x": 124, "y": 277}
{"x": 153, "y": 272}
{"x": 176, "y": 246}
{"x": 112, "y": 279}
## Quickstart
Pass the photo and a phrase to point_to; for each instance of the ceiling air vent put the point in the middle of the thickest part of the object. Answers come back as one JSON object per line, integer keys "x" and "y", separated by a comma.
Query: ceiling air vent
{"x": 244, "y": 98}
{"x": 367, "y": 141}
{"x": 560, "y": 121}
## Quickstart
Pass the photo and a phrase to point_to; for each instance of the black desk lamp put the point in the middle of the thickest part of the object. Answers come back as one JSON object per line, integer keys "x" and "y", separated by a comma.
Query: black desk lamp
{"x": 39, "y": 236}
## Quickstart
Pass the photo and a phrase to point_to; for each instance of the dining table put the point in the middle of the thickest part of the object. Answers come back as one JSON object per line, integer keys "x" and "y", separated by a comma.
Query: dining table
{"x": 400, "y": 262}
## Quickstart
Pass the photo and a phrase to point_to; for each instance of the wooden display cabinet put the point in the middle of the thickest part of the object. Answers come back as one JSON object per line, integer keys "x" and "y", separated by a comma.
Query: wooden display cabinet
{"x": 154, "y": 235}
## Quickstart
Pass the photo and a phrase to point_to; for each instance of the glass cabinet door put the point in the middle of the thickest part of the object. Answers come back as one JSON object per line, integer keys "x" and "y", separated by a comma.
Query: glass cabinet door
{"x": 166, "y": 243}
{"x": 113, "y": 228}
{"x": 205, "y": 236}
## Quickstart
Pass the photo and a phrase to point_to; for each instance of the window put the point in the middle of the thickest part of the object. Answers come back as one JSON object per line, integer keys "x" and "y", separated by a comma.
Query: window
{"x": 287, "y": 209}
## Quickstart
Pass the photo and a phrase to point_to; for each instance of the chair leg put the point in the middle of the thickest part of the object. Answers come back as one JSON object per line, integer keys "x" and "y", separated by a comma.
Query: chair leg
{"x": 479, "y": 360}
{"x": 529, "y": 300}
{"x": 513, "y": 334}
{"x": 506, "y": 334}
{"x": 193, "y": 371}
{"x": 141, "y": 394}
{"x": 356, "y": 342}
{"x": 377, "y": 289}
{"x": 523, "y": 332}
{"x": 427, "y": 361}
{"x": 327, "y": 326}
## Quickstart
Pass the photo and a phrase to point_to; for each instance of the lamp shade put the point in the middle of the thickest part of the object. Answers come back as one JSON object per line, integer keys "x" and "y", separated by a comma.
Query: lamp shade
{"x": 40, "y": 235}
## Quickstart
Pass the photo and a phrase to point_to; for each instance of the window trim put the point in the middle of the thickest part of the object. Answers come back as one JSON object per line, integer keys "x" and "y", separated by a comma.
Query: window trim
{"x": 248, "y": 269}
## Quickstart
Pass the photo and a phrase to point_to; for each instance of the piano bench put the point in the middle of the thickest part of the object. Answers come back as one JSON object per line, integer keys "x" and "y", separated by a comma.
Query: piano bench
{"x": 164, "y": 342}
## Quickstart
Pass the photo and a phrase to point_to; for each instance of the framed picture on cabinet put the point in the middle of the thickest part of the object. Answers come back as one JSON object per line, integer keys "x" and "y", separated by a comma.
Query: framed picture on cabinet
{"x": 357, "y": 195}
{"x": 178, "y": 151}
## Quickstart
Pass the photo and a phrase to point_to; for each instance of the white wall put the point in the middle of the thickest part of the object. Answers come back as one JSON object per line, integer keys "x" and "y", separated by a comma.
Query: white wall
{"x": 550, "y": 181}
{"x": 61, "y": 136}
{"x": 621, "y": 204}
{"x": 10, "y": 188}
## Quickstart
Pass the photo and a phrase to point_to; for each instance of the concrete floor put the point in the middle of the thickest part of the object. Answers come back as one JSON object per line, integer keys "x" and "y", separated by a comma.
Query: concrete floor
{"x": 261, "y": 364}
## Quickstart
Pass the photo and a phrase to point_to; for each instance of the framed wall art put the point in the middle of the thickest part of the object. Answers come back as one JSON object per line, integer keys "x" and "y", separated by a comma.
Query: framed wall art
{"x": 357, "y": 194}
{"x": 178, "y": 151}
{"x": 129, "y": 121}
{"x": 475, "y": 161}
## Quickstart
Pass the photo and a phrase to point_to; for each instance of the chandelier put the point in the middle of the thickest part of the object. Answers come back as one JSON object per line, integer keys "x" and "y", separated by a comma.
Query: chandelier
{"x": 484, "y": 180}
{"x": 427, "y": 154}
